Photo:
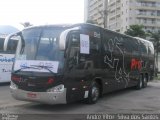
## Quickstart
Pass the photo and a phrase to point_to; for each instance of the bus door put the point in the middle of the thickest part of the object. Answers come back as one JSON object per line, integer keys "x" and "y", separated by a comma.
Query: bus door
{"x": 75, "y": 75}
{"x": 83, "y": 51}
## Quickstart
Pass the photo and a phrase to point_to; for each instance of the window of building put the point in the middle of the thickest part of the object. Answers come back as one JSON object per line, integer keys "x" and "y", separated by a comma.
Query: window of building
{"x": 145, "y": 20}
{"x": 158, "y": 13}
{"x": 153, "y": 21}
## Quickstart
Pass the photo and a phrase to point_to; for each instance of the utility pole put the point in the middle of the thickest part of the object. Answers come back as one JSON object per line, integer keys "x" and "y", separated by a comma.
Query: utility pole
{"x": 104, "y": 13}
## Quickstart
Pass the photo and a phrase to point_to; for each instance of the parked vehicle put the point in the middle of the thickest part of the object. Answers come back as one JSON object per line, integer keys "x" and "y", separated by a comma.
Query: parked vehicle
{"x": 57, "y": 64}
{"x": 7, "y": 58}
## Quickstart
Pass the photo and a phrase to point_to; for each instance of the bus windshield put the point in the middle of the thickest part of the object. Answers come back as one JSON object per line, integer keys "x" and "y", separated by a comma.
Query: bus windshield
{"x": 41, "y": 44}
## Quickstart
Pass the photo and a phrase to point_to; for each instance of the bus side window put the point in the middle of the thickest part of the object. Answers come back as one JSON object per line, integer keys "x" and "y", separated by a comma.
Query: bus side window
{"x": 1, "y": 44}
{"x": 144, "y": 48}
{"x": 150, "y": 51}
{"x": 135, "y": 47}
{"x": 94, "y": 45}
{"x": 12, "y": 45}
{"x": 74, "y": 50}
{"x": 107, "y": 43}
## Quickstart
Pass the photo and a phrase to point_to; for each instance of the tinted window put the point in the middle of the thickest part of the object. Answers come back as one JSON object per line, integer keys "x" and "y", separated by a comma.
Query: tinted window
{"x": 41, "y": 44}
{"x": 12, "y": 45}
{"x": 131, "y": 45}
{"x": 73, "y": 50}
{"x": 143, "y": 47}
{"x": 1, "y": 44}
{"x": 48, "y": 45}
{"x": 94, "y": 38}
{"x": 108, "y": 41}
{"x": 150, "y": 50}
{"x": 94, "y": 46}
{"x": 75, "y": 44}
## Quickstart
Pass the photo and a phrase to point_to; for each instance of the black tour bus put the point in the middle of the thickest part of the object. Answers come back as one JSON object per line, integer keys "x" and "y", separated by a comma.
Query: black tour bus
{"x": 58, "y": 64}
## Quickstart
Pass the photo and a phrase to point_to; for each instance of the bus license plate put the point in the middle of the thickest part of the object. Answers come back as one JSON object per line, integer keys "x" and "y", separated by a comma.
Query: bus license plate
{"x": 32, "y": 95}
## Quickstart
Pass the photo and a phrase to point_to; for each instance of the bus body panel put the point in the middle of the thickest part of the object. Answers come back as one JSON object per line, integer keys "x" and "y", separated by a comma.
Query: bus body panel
{"x": 7, "y": 58}
{"x": 6, "y": 61}
{"x": 43, "y": 97}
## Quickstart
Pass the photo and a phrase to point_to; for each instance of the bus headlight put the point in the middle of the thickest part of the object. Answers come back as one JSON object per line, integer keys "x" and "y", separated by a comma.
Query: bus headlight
{"x": 59, "y": 88}
{"x": 13, "y": 86}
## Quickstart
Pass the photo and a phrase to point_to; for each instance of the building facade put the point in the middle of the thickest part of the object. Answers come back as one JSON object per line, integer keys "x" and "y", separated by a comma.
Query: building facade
{"x": 123, "y": 13}
{"x": 118, "y": 15}
{"x": 95, "y": 10}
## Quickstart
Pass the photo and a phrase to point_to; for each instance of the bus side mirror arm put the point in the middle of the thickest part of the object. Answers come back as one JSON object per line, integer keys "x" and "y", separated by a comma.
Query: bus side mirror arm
{"x": 63, "y": 38}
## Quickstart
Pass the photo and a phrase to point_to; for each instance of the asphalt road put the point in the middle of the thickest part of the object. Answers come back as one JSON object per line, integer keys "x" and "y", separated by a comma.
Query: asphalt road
{"x": 128, "y": 101}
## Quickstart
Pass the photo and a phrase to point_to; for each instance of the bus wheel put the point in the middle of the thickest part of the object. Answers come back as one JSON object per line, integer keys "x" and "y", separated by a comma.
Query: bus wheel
{"x": 145, "y": 81}
{"x": 94, "y": 93}
{"x": 140, "y": 82}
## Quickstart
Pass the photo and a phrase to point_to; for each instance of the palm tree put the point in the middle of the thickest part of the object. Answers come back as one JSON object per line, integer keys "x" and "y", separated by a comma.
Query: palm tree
{"x": 136, "y": 31}
{"x": 155, "y": 37}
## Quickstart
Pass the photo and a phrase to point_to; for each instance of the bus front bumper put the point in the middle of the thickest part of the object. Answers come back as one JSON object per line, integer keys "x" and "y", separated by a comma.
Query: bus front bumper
{"x": 42, "y": 97}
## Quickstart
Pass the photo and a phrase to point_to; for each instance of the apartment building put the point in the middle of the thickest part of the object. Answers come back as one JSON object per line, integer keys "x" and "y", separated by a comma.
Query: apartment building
{"x": 118, "y": 15}
{"x": 123, "y": 13}
{"x": 95, "y": 10}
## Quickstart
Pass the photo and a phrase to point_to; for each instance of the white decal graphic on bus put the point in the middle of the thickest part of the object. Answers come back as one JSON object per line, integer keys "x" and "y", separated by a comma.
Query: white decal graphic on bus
{"x": 112, "y": 62}
{"x": 6, "y": 59}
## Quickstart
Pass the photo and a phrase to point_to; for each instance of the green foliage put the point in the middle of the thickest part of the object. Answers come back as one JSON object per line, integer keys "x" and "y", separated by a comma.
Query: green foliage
{"x": 136, "y": 31}
{"x": 155, "y": 36}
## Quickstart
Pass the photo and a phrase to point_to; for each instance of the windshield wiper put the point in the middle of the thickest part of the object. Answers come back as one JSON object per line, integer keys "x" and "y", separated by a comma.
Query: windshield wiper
{"x": 26, "y": 67}
{"x": 44, "y": 67}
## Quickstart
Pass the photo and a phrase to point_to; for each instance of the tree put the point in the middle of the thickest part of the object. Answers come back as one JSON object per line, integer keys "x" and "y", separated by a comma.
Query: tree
{"x": 26, "y": 24}
{"x": 136, "y": 31}
{"x": 155, "y": 37}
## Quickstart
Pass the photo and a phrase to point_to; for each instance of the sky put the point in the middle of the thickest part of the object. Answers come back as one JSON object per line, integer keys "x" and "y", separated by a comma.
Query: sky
{"x": 41, "y": 12}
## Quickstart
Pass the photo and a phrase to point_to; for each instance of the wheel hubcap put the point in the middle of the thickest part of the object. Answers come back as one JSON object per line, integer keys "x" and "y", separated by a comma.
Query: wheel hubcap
{"x": 145, "y": 80}
{"x": 95, "y": 93}
{"x": 140, "y": 82}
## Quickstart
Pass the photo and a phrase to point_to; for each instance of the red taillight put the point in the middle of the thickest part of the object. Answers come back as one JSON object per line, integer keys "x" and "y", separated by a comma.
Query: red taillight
{"x": 15, "y": 78}
{"x": 50, "y": 81}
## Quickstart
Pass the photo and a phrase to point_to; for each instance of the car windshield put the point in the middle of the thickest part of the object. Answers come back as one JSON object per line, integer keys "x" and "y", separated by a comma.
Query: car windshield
{"x": 41, "y": 44}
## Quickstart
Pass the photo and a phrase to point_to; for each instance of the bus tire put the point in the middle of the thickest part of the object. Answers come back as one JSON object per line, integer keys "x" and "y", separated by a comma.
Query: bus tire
{"x": 145, "y": 81}
{"x": 94, "y": 93}
{"x": 140, "y": 82}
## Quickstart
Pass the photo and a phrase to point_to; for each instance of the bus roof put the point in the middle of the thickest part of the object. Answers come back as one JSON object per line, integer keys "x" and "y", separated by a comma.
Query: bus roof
{"x": 85, "y": 25}
{"x": 48, "y": 26}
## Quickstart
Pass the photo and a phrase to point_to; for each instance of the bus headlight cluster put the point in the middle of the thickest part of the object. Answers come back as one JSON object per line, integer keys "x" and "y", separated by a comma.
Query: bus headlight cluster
{"x": 59, "y": 88}
{"x": 13, "y": 86}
